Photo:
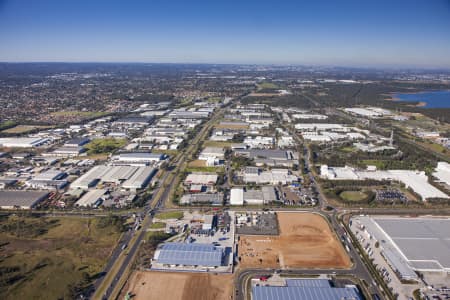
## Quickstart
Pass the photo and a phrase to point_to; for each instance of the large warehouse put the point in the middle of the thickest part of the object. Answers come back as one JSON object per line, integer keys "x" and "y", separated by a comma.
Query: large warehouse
{"x": 21, "y": 199}
{"x": 22, "y": 142}
{"x": 131, "y": 177}
{"x": 305, "y": 289}
{"x": 204, "y": 255}
{"x": 411, "y": 244}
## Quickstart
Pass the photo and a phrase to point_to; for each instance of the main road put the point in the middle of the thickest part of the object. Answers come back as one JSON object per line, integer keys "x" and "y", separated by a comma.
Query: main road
{"x": 108, "y": 286}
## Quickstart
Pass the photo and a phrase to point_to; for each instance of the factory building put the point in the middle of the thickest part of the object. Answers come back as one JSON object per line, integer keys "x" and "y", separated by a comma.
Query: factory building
{"x": 184, "y": 254}
{"x": 21, "y": 199}
{"x": 309, "y": 289}
{"x": 138, "y": 158}
{"x": 23, "y": 142}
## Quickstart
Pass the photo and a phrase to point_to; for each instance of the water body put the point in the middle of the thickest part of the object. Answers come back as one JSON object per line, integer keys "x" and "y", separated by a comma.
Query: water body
{"x": 434, "y": 99}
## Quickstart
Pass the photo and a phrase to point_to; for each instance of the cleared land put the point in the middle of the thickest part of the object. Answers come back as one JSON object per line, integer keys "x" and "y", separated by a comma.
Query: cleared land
{"x": 51, "y": 258}
{"x": 179, "y": 286}
{"x": 305, "y": 241}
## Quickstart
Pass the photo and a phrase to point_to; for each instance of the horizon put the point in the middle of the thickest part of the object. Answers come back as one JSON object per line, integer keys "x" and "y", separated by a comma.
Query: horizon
{"x": 404, "y": 34}
{"x": 357, "y": 67}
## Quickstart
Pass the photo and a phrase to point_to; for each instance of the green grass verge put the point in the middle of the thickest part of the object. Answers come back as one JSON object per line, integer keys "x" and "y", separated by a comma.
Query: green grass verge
{"x": 170, "y": 215}
{"x": 158, "y": 225}
{"x": 353, "y": 195}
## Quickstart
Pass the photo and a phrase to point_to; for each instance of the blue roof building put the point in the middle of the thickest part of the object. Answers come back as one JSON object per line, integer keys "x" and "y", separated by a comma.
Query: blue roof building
{"x": 190, "y": 255}
{"x": 309, "y": 289}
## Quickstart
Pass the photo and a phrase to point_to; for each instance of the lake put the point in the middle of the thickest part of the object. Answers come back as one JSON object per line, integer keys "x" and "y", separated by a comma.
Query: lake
{"x": 434, "y": 99}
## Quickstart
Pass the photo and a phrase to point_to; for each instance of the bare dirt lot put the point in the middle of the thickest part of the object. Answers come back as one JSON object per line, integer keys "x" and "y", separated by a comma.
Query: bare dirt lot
{"x": 305, "y": 241}
{"x": 179, "y": 286}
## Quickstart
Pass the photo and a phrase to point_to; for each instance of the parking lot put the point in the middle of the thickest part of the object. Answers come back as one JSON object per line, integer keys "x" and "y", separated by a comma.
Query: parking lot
{"x": 257, "y": 223}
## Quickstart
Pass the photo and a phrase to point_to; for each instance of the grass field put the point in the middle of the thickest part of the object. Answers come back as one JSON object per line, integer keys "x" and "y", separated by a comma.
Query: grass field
{"x": 78, "y": 113}
{"x": 197, "y": 163}
{"x": 170, "y": 215}
{"x": 51, "y": 258}
{"x": 204, "y": 169}
{"x": 23, "y": 129}
{"x": 267, "y": 85}
{"x": 158, "y": 225}
{"x": 353, "y": 195}
{"x": 217, "y": 144}
{"x": 100, "y": 146}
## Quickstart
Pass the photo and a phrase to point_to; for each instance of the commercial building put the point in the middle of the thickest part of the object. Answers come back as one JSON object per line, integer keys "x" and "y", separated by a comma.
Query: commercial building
{"x": 305, "y": 289}
{"x": 184, "y": 254}
{"x": 10, "y": 199}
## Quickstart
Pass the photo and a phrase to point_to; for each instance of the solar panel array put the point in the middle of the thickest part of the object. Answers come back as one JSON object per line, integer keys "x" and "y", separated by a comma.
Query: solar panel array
{"x": 304, "y": 293}
{"x": 190, "y": 255}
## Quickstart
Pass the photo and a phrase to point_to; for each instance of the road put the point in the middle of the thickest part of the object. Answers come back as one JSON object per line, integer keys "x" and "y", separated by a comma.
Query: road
{"x": 161, "y": 196}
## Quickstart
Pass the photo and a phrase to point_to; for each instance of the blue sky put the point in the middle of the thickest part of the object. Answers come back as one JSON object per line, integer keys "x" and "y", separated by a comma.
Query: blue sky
{"x": 347, "y": 32}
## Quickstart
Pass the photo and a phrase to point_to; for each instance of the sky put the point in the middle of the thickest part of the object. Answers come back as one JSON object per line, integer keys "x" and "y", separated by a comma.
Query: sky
{"x": 366, "y": 33}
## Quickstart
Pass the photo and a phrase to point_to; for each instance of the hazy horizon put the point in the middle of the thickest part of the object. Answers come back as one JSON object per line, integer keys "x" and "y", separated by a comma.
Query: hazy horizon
{"x": 382, "y": 34}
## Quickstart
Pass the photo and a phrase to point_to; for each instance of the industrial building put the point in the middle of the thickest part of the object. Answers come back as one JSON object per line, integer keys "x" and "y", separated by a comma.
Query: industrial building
{"x": 214, "y": 199}
{"x": 92, "y": 198}
{"x": 77, "y": 142}
{"x": 66, "y": 151}
{"x": 138, "y": 158}
{"x": 201, "y": 178}
{"x": 23, "y": 142}
{"x": 370, "y": 112}
{"x": 410, "y": 244}
{"x": 237, "y": 196}
{"x": 305, "y": 289}
{"x": 442, "y": 173}
{"x": 130, "y": 177}
{"x": 51, "y": 179}
{"x": 184, "y": 254}
{"x": 418, "y": 181}
{"x": 10, "y": 199}
{"x": 274, "y": 176}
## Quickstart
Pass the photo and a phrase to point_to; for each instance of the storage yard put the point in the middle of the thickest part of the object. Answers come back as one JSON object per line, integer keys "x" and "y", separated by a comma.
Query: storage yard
{"x": 179, "y": 286}
{"x": 305, "y": 241}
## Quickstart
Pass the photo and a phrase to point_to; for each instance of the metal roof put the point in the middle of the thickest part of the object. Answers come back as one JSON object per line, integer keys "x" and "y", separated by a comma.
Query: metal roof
{"x": 22, "y": 199}
{"x": 190, "y": 254}
{"x": 304, "y": 293}
{"x": 324, "y": 283}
